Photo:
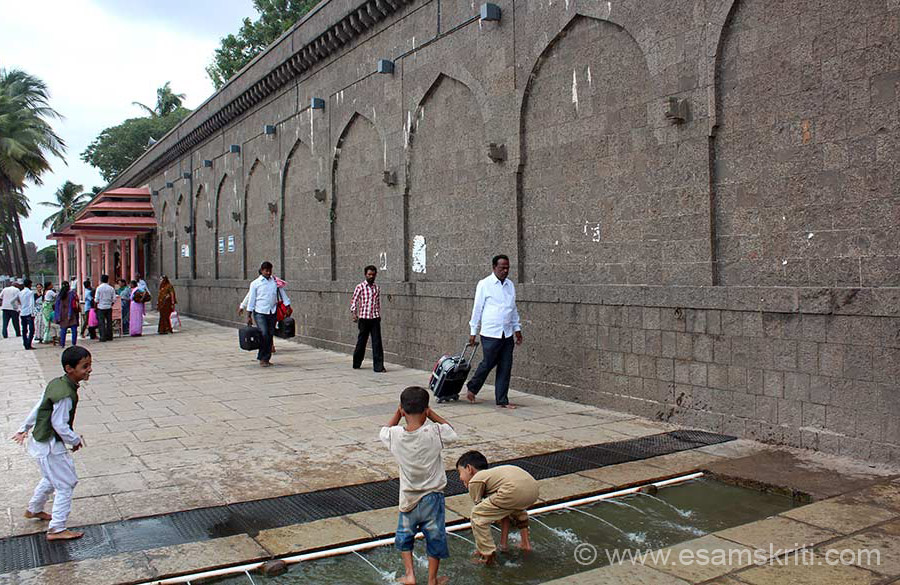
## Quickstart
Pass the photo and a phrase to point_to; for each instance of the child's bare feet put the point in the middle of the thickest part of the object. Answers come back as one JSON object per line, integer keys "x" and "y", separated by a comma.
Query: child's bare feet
{"x": 440, "y": 581}
{"x": 407, "y": 580}
{"x": 525, "y": 544}
{"x": 480, "y": 559}
{"x": 38, "y": 515}
{"x": 471, "y": 397}
{"x": 65, "y": 535}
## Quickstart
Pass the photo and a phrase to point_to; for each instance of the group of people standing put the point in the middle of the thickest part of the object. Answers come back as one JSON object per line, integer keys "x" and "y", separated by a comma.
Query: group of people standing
{"x": 47, "y": 315}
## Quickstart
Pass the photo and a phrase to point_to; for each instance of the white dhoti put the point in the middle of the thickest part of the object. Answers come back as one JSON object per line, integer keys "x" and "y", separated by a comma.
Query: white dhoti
{"x": 58, "y": 471}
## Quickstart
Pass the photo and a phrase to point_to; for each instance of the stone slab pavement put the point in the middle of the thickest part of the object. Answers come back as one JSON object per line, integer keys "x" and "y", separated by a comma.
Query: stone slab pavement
{"x": 188, "y": 420}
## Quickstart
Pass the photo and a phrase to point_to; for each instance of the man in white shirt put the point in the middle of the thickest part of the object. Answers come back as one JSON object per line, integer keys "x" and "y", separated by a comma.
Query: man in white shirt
{"x": 26, "y": 313}
{"x": 262, "y": 304}
{"x": 104, "y": 297}
{"x": 495, "y": 310}
{"x": 9, "y": 300}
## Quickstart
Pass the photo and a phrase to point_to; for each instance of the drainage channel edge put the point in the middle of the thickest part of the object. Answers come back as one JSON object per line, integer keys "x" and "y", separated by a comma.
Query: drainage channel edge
{"x": 249, "y": 518}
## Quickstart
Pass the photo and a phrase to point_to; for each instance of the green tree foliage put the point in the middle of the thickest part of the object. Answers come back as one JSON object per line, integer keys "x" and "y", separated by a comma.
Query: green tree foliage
{"x": 70, "y": 198}
{"x": 167, "y": 102}
{"x": 27, "y": 141}
{"x": 235, "y": 51}
{"x": 119, "y": 146}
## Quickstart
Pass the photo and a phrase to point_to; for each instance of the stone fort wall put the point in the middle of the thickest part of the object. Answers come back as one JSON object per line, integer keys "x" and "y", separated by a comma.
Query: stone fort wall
{"x": 701, "y": 198}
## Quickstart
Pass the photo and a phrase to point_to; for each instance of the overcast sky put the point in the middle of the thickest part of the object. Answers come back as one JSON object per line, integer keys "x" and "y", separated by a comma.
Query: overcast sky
{"x": 98, "y": 56}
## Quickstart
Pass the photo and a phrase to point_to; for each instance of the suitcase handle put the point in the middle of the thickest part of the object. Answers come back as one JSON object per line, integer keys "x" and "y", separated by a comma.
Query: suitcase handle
{"x": 474, "y": 347}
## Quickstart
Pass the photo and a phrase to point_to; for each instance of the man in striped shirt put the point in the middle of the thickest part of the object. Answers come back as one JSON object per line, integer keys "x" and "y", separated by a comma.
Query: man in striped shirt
{"x": 365, "y": 310}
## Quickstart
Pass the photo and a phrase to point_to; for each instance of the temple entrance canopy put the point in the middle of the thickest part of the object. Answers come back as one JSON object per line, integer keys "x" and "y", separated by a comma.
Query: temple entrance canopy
{"x": 108, "y": 236}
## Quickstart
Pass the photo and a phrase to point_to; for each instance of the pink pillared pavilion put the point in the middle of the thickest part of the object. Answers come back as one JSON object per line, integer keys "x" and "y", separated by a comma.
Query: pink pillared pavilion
{"x": 108, "y": 236}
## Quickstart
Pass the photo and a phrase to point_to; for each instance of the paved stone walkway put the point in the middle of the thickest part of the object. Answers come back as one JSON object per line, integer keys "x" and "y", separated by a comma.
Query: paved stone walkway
{"x": 188, "y": 421}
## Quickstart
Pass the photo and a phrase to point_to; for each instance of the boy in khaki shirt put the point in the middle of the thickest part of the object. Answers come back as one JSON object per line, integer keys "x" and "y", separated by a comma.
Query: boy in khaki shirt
{"x": 500, "y": 493}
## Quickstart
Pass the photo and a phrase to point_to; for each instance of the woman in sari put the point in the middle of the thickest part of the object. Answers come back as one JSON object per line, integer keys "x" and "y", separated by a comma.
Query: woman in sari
{"x": 165, "y": 304}
{"x": 136, "y": 310}
{"x": 47, "y": 314}
{"x": 66, "y": 310}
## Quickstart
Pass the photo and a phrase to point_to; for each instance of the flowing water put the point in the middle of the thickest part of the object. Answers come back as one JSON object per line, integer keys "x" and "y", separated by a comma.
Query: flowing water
{"x": 675, "y": 514}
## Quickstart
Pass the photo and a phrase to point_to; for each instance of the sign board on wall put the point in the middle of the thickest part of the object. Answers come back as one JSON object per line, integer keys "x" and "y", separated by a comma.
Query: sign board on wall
{"x": 185, "y": 251}
{"x": 221, "y": 245}
{"x": 231, "y": 243}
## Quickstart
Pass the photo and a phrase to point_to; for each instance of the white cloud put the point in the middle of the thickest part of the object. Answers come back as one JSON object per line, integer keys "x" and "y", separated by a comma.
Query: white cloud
{"x": 96, "y": 63}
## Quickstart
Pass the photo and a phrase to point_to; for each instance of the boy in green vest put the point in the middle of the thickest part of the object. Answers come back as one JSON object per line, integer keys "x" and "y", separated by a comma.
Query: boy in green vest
{"x": 51, "y": 420}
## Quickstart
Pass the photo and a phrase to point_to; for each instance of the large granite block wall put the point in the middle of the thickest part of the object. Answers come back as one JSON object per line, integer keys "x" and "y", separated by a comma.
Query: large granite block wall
{"x": 701, "y": 198}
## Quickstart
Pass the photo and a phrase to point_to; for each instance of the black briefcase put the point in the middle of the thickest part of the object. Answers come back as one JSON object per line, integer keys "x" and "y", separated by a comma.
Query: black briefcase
{"x": 249, "y": 337}
{"x": 286, "y": 328}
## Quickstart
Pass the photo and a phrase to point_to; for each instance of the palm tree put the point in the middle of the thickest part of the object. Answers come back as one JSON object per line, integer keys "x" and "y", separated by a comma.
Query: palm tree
{"x": 26, "y": 142}
{"x": 69, "y": 201}
{"x": 16, "y": 205}
{"x": 166, "y": 102}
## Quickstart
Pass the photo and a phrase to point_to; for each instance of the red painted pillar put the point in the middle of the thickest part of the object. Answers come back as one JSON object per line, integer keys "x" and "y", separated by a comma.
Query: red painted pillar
{"x": 110, "y": 265}
{"x": 65, "y": 261}
{"x": 59, "y": 264}
{"x": 133, "y": 266}
{"x": 82, "y": 267}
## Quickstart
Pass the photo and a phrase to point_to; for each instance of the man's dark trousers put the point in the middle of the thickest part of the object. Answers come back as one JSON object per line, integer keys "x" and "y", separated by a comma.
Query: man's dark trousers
{"x": 27, "y": 330}
{"x": 104, "y": 316}
{"x": 266, "y": 324}
{"x": 366, "y": 327}
{"x": 499, "y": 353}
{"x": 10, "y": 315}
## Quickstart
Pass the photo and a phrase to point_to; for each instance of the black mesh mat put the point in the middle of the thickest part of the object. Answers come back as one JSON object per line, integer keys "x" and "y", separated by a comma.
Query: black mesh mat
{"x": 101, "y": 540}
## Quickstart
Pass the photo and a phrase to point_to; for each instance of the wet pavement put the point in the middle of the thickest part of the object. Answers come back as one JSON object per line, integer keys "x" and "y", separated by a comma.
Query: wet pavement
{"x": 189, "y": 421}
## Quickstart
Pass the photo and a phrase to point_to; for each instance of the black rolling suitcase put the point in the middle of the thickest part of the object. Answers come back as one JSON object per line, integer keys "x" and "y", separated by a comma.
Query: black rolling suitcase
{"x": 286, "y": 328}
{"x": 450, "y": 373}
{"x": 249, "y": 337}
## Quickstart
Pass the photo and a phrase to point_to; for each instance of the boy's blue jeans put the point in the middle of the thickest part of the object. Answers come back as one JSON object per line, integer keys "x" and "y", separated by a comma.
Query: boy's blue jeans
{"x": 427, "y": 517}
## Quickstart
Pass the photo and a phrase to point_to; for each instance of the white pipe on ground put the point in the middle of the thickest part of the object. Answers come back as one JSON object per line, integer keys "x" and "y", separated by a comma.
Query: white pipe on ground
{"x": 363, "y": 546}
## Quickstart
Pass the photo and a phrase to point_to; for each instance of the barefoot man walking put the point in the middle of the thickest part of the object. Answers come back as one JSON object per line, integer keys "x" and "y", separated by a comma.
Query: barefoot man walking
{"x": 495, "y": 309}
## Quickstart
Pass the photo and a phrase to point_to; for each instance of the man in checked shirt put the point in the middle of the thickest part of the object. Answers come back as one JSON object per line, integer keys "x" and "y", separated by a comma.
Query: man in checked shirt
{"x": 365, "y": 310}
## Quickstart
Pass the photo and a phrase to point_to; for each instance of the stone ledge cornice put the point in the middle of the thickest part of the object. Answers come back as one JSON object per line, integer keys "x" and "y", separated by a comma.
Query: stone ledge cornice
{"x": 182, "y": 139}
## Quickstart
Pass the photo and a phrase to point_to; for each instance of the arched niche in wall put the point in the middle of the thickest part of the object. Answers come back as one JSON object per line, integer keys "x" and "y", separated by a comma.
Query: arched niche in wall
{"x": 805, "y": 165}
{"x": 366, "y": 225}
{"x": 167, "y": 239}
{"x": 261, "y": 221}
{"x": 305, "y": 226}
{"x": 449, "y": 187}
{"x": 182, "y": 238}
{"x": 228, "y": 230}
{"x": 601, "y": 200}
{"x": 204, "y": 223}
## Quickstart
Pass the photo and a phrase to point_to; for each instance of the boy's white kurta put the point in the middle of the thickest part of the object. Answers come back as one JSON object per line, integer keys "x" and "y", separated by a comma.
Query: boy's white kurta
{"x": 419, "y": 454}
{"x": 55, "y": 463}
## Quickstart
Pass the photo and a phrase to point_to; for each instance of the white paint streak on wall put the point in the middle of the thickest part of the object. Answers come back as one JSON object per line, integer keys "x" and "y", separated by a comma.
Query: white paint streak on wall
{"x": 418, "y": 254}
{"x": 406, "y": 129}
{"x": 383, "y": 258}
{"x": 608, "y": 9}
{"x": 590, "y": 83}
{"x": 592, "y": 230}
{"x": 312, "y": 140}
{"x": 574, "y": 89}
